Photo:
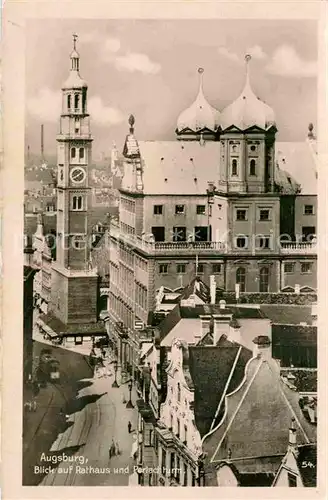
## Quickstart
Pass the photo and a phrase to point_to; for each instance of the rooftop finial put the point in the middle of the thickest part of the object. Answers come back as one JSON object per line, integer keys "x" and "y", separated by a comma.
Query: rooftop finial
{"x": 201, "y": 72}
{"x": 131, "y": 123}
{"x": 75, "y": 37}
{"x": 248, "y": 57}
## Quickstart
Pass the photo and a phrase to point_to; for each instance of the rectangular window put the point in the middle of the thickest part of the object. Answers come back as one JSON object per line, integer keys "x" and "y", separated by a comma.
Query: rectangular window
{"x": 185, "y": 434}
{"x": 264, "y": 214}
{"x": 179, "y": 209}
{"x": 241, "y": 242}
{"x": 241, "y": 214}
{"x": 178, "y": 428}
{"x": 78, "y": 242}
{"x": 77, "y": 125}
{"x": 81, "y": 153}
{"x": 308, "y": 233}
{"x": 159, "y": 233}
{"x": 216, "y": 268}
{"x": 201, "y": 233}
{"x": 308, "y": 210}
{"x": 292, "y": 480}
{"x": 163, "y": 268}
{"x": 179, "y": 233}
{"x": 181, "y": 268}
{"x": 193, "y": 478}
{"x": 200, "y": 209}
{"x": 163, "y": 462}
{"x": 172, "y": 463}
{"x": 306, "y": 267}
{"x": 185, "y": 474}
{"x": 264, "y": 242}
{"x": 200, "y": 268}
{"x": 289, "y": 267}
{"x": 158, "y": 209}
{"x": 177, "y": 472}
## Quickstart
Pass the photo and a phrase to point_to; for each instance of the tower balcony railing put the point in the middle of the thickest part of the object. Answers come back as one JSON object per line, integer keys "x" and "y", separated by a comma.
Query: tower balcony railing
{"x": 69, "y": 135}
{"x": 302, "y": 248}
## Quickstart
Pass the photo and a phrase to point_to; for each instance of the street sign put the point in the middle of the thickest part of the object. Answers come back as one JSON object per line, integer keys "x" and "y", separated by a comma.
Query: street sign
{"x": 138, "y": 324}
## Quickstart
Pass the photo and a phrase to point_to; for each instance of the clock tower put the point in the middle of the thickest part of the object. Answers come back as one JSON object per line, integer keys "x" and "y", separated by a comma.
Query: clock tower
{"x": 74, "y": 290}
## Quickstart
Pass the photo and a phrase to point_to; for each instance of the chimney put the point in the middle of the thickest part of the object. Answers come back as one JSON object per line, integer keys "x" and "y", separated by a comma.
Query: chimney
{"x": 262, "y": 347}
{"x": 205, "y": 322}
{"x": 221, "y": 325}
{"x": 234, "y": 332}
{"x": 292, "y": 442}
{"x": 213, "y": 289}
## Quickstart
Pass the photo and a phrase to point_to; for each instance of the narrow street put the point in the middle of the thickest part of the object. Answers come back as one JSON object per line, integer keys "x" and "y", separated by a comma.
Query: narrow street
{"x": 103, "y": 416}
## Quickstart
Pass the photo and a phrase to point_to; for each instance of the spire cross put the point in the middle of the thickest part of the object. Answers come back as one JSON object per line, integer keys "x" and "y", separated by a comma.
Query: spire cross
{"x": 75, "y": 37}
{"x": 200, "y": 72}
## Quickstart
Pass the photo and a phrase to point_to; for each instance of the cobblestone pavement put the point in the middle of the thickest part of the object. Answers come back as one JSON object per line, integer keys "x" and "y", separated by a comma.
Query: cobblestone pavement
{"x": 103, "y": 417}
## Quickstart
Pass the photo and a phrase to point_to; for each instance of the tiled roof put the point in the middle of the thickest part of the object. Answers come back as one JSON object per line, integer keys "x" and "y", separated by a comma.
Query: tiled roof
{"x": 210, "y": 368}
{"x": 209, "y": 309}
{"x": 261, "y": 409}
{"x": 297, "y": 159}
{"x": 290, "y": 335}
{"x": 175, "y": 167}
{"x": 308, "y": 454}
{"x": 287, "y": 314}
{"x": 73, "y": 329}
{"x": 305, "y": 380}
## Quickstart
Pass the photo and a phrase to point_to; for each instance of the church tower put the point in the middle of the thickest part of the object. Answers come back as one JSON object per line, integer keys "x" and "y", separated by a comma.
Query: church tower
{"x": 74, "y": 280}
{"x": 247, "y": 143}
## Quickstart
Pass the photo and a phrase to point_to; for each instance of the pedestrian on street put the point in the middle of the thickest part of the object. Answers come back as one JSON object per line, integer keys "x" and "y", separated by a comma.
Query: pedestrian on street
{"x": 129, "y": 427}
{"x": 117, "y": 449}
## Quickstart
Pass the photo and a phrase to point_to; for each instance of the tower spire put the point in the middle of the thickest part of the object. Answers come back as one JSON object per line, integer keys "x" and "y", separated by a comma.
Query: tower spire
{"x": 201, "y": 73}
{"x": 75, "y": 55}
{"x": 248, "y": 58}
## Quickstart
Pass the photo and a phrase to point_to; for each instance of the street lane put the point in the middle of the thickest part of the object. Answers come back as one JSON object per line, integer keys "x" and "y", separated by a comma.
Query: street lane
{"x": 91, "y": 433}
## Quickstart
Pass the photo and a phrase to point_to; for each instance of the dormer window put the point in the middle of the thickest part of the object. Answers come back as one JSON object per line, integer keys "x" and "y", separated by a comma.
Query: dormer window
{"x": 234, "y": 167}
{"x": 179, "y": 393}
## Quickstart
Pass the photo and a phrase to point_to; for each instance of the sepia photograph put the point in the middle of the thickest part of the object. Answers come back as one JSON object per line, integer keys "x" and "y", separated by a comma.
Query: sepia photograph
{"x": 170, "y": 286}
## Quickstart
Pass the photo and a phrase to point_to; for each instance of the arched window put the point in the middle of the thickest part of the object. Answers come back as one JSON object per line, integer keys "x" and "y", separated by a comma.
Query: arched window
{"x": 234, "y": 170}
{"x": 73, "y": 152}
{"x": 81, "y": 153}
{"x": 68, "y": 102}
{"x": 241, "y": 278}
{"x": 76, "y": 101}
{"x": 252, "y": 167}
{"x": 264, "y": 279}
{"x": 77, "y": 203}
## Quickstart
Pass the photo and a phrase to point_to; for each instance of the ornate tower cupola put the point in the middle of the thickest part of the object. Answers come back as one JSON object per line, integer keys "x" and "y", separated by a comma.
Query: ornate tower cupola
{"x": 199, "y": 121}
{"x": 247, "y": 142}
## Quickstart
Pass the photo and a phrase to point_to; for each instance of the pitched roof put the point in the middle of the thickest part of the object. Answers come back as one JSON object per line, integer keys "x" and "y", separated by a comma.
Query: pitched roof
{"x": 210, "y": 368}
{"x": 291, "y": 335}
{"x": 260, "y": 409}
{"x": 196, "y": 287}
{"x": 287, "y": 314}
{"x": 175, "y": 167}
{"x": 308, "y": 454}
{"x": 298, "y": 160}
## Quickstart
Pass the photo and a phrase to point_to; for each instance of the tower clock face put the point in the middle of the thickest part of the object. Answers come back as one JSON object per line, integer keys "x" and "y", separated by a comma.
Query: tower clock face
{"x": 78, "y": 175}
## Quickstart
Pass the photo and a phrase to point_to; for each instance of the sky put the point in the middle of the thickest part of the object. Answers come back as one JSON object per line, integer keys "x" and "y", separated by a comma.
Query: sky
{"x": 149, "y": 68}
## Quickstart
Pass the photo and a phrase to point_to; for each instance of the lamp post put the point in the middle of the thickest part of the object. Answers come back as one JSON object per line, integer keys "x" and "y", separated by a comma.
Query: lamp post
{"x": 115, "y": 384}
{"x": 129, "y": 403}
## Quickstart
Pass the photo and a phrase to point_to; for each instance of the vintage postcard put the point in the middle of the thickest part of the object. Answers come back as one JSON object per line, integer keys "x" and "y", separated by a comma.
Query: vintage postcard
{"x": 164, "y": 187}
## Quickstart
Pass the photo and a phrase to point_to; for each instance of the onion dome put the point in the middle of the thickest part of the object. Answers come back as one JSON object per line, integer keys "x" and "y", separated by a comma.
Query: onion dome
{"x": 247, "y": 110}
{"x": 200, "y": 115}
{"x": 74, "y": 81}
